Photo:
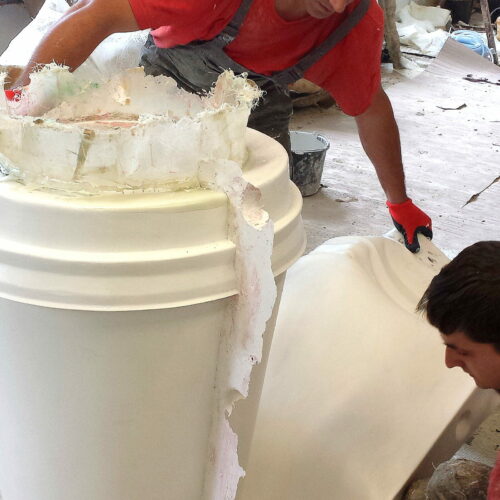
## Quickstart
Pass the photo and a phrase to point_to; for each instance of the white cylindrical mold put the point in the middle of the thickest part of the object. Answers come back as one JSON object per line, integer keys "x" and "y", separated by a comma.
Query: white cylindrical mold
{"x": 111, "y": 309}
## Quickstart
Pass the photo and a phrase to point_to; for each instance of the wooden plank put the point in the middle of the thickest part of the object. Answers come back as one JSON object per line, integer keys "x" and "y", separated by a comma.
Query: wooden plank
{"x": 485, "y": 11}
{"x": 390, "y": 32}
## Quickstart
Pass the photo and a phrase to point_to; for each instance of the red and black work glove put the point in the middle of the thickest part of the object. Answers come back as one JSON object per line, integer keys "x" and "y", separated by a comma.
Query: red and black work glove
{"x": 13, "y": 95}
{"x": 409, "y": 221}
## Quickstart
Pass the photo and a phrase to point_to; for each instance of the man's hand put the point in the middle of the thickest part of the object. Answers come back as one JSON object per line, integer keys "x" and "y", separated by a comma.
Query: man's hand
{"x": 13, "y": 95}
{"x": 21, "y": 103}
{"x": 409, "y": 221}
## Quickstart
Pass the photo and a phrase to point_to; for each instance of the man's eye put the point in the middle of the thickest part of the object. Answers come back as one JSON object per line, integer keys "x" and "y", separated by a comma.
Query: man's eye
{"x": 463, "y": 353}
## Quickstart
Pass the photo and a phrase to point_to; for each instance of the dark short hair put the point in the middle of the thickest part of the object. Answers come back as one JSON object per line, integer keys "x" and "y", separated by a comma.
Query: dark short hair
{"x": 465, "y": 295}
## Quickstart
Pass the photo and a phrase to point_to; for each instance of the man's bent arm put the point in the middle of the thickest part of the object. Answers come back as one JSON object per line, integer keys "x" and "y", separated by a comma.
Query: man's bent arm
{"x": 379, "y": 135}
{"x": 81, "y": 29}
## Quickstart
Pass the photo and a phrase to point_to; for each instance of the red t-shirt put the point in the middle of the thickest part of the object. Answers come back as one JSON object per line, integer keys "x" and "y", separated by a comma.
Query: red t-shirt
{"x": 267, "y": 43}
{"x": 494, "y": 484}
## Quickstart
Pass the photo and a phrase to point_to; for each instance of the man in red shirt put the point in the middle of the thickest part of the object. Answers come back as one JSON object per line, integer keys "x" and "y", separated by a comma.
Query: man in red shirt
{"x": 333, "y": 43}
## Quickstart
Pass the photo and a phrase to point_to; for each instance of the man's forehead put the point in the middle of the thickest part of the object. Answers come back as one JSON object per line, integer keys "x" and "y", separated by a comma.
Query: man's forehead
{"x": 460, "y": 341}
{"x": 457, "y": 340}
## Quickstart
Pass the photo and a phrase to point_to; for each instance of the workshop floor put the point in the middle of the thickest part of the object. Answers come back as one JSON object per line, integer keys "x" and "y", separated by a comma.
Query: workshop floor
{"x": 449, "y": 156}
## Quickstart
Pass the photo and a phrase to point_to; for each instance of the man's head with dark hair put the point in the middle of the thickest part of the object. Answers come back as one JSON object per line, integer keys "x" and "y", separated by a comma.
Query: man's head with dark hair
{"x": 463, "y": 303}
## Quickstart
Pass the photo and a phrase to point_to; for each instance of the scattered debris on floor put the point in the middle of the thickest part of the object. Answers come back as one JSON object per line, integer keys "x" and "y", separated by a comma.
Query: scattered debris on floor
{"x": 453, "y": 480}
{"x": 475, "y": 196}
{"x": 465, "y": 475}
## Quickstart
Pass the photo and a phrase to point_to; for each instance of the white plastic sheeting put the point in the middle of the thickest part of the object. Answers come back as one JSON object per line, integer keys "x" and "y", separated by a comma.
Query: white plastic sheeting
{"x": 422, "y": 27}
{"x": 356, "y": 391}
{"x": 116, "y": 53}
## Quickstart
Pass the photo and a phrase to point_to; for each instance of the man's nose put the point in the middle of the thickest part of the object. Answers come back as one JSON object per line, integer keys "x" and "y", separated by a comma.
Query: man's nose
{"x": 452, "y": 359}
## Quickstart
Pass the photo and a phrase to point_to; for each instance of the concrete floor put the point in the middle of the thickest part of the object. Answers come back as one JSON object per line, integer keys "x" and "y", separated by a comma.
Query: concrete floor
{"x": 449, "y": 155}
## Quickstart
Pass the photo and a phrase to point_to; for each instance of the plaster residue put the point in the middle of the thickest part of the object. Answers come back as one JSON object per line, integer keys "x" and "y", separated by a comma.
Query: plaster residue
{"x": 242, "y": 339}
{"x": 130, "y": 132}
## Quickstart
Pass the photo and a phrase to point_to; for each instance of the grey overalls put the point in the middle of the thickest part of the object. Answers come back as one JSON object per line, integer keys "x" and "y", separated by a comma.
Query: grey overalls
{"x": 197, "y": 65}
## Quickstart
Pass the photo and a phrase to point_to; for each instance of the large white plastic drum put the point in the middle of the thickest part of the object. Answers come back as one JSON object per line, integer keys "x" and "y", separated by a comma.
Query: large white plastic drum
{"x": 111, "y": 311}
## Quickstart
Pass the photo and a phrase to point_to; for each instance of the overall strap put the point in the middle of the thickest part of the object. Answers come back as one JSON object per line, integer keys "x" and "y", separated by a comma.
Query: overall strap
{"x": 229, "y": 33}
{"x": 296, "y": 72}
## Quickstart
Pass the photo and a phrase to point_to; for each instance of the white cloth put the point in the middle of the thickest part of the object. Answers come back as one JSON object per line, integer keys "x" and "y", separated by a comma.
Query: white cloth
{"x": 115, "y": 54}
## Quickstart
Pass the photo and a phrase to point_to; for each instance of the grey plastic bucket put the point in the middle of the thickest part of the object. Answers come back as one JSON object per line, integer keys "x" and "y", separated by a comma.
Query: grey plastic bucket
{"x": 308, "y": 157}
